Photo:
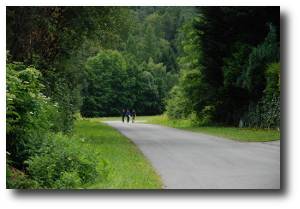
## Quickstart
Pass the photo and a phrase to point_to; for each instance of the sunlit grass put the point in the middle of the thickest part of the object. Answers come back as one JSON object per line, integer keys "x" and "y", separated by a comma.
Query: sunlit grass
{"x": 129, "y": 169}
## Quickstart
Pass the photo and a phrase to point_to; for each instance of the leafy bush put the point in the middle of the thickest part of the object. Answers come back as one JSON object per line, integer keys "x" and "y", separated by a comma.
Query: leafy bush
{"x": 18, "y": 179}
{"x": 273, "y": 79}
{"x": 177, "y": 104}
{"x": 60, "y": 159}
{"x": 204, "y": 118}
{"x": 68, "y": 180}
{"x": 265, "y": 114}
{"x": 29, "y": 114}
{"x": 51, "y": 160}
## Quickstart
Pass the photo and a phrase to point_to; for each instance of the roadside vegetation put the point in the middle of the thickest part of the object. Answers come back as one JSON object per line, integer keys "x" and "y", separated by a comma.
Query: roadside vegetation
{"x": 125, "y": 166}
{"x": 200, "y": 66}
{"x": 232, "y": 78}
{"x": 235, "y": 133}
{"x": 95, "y": 156}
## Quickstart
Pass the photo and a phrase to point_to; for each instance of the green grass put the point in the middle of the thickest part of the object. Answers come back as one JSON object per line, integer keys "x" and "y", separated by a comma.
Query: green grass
{"x": 109, "y": 119}
{"x": 128, "y": 168}
{"x": 241, "y": 134}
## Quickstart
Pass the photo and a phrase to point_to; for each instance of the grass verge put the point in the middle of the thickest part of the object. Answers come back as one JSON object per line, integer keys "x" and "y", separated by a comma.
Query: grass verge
{"x": 240, "y": 134}
{"x": 128, "y": 168}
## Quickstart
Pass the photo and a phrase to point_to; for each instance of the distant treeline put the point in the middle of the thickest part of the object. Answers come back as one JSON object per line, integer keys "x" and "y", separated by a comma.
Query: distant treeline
{"x": 141, "y": 70}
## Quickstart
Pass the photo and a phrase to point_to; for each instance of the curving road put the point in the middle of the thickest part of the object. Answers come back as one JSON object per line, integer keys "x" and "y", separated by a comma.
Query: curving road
{"x": 188, "y": 160}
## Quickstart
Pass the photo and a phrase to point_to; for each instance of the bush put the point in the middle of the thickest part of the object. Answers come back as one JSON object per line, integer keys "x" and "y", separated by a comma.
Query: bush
{"x": 265, "y": 114}
{"x": 177, "y": 104}
{"x": 29, "y": 114}
{"x": 63, "y": 163}
{"x": 273, "y": 79}
{"x": 17, "y": 179}
{"x": 48, "y": 160}
{"x": 68, "y": 180}
{"x": 204, "y": 118}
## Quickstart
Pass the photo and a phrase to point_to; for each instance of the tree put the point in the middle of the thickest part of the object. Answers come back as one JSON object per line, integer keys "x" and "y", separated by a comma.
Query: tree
{"x": 51, "y": 38}
{"x": 224, "y": 54}
{"x": 220, "y": 31}
{"x": 107, "y": 91}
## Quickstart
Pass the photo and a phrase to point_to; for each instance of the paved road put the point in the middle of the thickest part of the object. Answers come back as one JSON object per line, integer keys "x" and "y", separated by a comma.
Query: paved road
{"x": 187, "y": 160}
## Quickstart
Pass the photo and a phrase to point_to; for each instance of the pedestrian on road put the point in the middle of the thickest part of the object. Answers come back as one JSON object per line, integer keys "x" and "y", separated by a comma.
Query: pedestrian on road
{"x": 133, "y": 115}
{"x": 123, "y": 115}
{"x": 127, "y": 115}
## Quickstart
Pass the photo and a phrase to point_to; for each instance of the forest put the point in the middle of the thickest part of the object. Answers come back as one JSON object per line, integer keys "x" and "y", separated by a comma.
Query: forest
{"x": 215, "y": 66}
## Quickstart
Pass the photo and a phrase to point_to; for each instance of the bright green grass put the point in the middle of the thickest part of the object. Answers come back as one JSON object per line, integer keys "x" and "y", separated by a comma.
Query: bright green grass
{"x": 241, "y": 134}
{"x": 109, "y": 118}
{"x": 129, "y": 169}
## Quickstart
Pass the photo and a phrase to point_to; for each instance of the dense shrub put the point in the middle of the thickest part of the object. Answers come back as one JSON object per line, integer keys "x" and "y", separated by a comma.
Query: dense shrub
{"x": 17, "y": 179}
{"x": 177, "y": 104}
{"x": 273, "y": 79}
{"x": 29, "y": 114}
{"x": 52, "y": 160}
{"x": 265, "y": 114}
{"x": 63, "y": 163}
{"x": 68, "y": 180}
{"x": 205, "y": 118}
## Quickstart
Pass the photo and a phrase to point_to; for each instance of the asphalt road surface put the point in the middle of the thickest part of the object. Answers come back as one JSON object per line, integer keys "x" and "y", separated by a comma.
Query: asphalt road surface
{"x": 188, "y": 160}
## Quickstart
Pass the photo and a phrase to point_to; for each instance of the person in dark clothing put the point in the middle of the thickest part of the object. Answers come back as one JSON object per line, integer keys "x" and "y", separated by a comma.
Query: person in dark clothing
{"x": 127, "y": 115}
{"x": 123, "y": 115}
{"x": 133, "y": 115}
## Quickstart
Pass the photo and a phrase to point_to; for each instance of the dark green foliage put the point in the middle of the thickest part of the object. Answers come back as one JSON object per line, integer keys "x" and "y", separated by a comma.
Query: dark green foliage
{"x": 182, "y": 102}
{"x": 150, "y": 70}
{"x": 265, "y": 114}
{"x": 50, "y": 38}
{"x": 254, "y": 74}
{"x": 235, "y": 64}
{"x": 115, "y": 83}
{"x": 107, "y": 90}
{"x": 51, "y": 160}
{"x": 205, "y": 118}
{"x": 17, "y": 179}
{"x": 225, "y": 55}
{"x": 273, "y": 79}
{"x": 155, "y": 34}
